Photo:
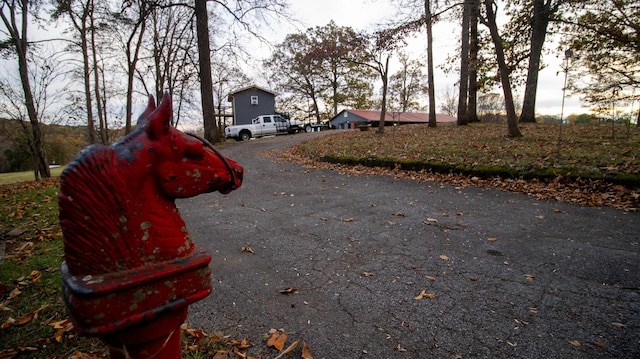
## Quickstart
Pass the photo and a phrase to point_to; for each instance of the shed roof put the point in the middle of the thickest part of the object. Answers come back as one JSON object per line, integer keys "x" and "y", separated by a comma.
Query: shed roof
{"x": 250, "y": 88}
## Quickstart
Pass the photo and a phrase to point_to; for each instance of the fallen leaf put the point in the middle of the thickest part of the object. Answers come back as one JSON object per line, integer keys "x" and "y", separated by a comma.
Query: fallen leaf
{"x": 367, "y": 274}
{"x": 35, "y": 275}
{"x": 429, "y": 277}
{"x": 432, "y": 220}
{"x": 575, "y": 343}
{"x": 399, "y": 214}
{"x": 529, "y": 277}
{"x": 347, "y": 219}
{"x": 424, "y": 294}
{"x": 242, "y": 344}
{"x": 9, "y": 322}
{"x": 619, "y": 325}
{"x": 307, "y": 353}
{"x": 492, "y": 239}
{"x": 599, "y": 345}
{"x": 289, "y": 349}
{"x": 8, "y": 353}
{"x": 247, "y": 249}
{"x": 277, "y": 339}
{"x": 290, "y": 290}
{"x": 444, "y": 258}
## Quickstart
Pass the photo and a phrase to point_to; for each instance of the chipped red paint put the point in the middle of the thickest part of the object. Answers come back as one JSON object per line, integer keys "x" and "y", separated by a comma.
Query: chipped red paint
{"x": 130, "y": 267}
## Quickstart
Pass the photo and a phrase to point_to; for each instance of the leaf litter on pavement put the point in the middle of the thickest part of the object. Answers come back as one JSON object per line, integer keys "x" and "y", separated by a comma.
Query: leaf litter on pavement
{"x": 587, "y": 152}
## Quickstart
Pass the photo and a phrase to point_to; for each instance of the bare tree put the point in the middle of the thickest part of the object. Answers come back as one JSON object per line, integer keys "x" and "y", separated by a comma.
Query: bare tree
{"x": 242, "y": 12}
{"x": 47, "y": 76}
{"x": 490, "y": 22}
{"x": 449, "y": 101}
{"x": 474, "y": 49}
{"x": 15, "y": 18}
{"x": 431, "y": 83}
{"x": 407, "y": 85}
{"x": 464, "y": 64}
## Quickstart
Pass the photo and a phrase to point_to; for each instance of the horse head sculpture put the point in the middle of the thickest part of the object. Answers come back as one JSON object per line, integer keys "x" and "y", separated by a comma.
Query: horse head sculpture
{"x": 117, "y": 208}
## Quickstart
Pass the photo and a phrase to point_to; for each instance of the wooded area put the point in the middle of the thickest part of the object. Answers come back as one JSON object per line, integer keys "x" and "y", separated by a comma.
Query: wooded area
{"x": 110, "y": 53}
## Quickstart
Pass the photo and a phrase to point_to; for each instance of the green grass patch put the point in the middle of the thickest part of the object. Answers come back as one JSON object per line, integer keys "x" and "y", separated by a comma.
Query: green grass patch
{"x": 26, "y": 176}
{"x": 31, "y": 300}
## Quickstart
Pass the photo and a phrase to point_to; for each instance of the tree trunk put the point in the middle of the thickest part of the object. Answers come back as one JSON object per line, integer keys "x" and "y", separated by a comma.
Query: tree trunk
{"x": 104, "y": 138}
{"x": 512, "y": 120}
{"x": 86, "y": 76}
{"x": 464, "y": 66}
{"x": 430, "y": 77}
{"x": 206, "y": 83}
{"x": 539, "y": 23}
{"x": 472, "y": 108}
{"x": 384, "y": 73}
{"x": 18, "y": 37}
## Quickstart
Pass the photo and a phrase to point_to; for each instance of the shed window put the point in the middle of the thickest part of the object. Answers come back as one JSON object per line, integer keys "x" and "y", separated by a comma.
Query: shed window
{"x": 345, "y": 114}
{"x": 254, "y": 100}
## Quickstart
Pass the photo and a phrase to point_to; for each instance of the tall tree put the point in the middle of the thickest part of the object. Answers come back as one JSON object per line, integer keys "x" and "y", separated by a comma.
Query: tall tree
{"x": 340, "y": 66}
{"x": 15, "y": 18}
{"x": 605, "y": 36}
{"x": 431, "y": 83}
{"x": 541, "y": 14}
{"x": 490, "y": 22}
{"x": 377, "y": 49}
{"x": 474, "y": 52}
{"x": 295, "y": 68}
{"x": 80, "y": 14}
{"x": 407, "y": 85}
{"x": 464, "y": 64}
{"x": 133, "y": 15}
{"x": 319, "y": 68}
{"x": 211, "y": 132}
{"x": 173, "y": 43}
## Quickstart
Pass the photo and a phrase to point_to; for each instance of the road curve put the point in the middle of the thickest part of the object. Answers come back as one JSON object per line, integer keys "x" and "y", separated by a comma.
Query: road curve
{"x": 388, "y": 268}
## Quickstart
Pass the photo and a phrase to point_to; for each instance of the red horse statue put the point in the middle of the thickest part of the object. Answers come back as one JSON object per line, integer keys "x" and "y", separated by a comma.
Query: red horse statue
{"x": 130, "y": 266}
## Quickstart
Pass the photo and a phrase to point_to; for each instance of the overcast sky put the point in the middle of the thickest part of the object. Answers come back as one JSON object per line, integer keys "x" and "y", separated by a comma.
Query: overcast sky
{"x": 366, "y": 14}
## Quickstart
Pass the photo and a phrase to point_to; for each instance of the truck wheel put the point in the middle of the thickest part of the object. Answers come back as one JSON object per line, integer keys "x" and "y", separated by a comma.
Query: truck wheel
{"x": 307, "y": 128}
{"x": 245, "y": 135}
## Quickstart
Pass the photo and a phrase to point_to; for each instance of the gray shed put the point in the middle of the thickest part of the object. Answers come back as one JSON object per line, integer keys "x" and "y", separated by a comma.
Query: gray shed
{"x": 250, "y": 102}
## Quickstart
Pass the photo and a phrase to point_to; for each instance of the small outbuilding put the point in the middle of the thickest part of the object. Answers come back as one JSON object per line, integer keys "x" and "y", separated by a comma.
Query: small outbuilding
{"x": 250, "y": 102}
{"x": 354, "y": 118}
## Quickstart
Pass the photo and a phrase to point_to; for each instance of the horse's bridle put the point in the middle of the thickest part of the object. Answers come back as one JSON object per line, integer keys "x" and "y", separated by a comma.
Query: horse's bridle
{"x": 222, "y": 158}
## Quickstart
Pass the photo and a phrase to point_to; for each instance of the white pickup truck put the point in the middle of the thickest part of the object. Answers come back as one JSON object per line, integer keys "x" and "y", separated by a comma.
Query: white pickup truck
{"x": 263, "y": 125}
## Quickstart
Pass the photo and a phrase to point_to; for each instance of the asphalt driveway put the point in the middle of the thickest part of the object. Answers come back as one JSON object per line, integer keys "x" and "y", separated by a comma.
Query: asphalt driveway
{"x": 389, "y": 268}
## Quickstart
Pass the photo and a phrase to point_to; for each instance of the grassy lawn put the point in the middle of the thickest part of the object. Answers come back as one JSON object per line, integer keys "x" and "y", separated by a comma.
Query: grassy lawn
{"x": 13, "y": 177}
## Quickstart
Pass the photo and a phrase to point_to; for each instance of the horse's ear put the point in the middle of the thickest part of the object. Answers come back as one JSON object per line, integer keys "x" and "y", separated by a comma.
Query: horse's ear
{"x": 159, "y": 120}
{"x": 144, "y": 118}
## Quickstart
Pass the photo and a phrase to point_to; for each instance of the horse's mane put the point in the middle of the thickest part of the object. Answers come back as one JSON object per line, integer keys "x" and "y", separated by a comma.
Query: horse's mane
{"x": 96, "y": 239}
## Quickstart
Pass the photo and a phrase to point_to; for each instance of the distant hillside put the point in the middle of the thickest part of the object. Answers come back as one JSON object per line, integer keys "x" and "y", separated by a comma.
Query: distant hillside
{"x": 62, "y": 144}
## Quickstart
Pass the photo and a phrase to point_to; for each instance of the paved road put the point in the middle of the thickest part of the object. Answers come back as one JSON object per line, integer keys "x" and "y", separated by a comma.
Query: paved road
{"x": 503, "y": 275}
